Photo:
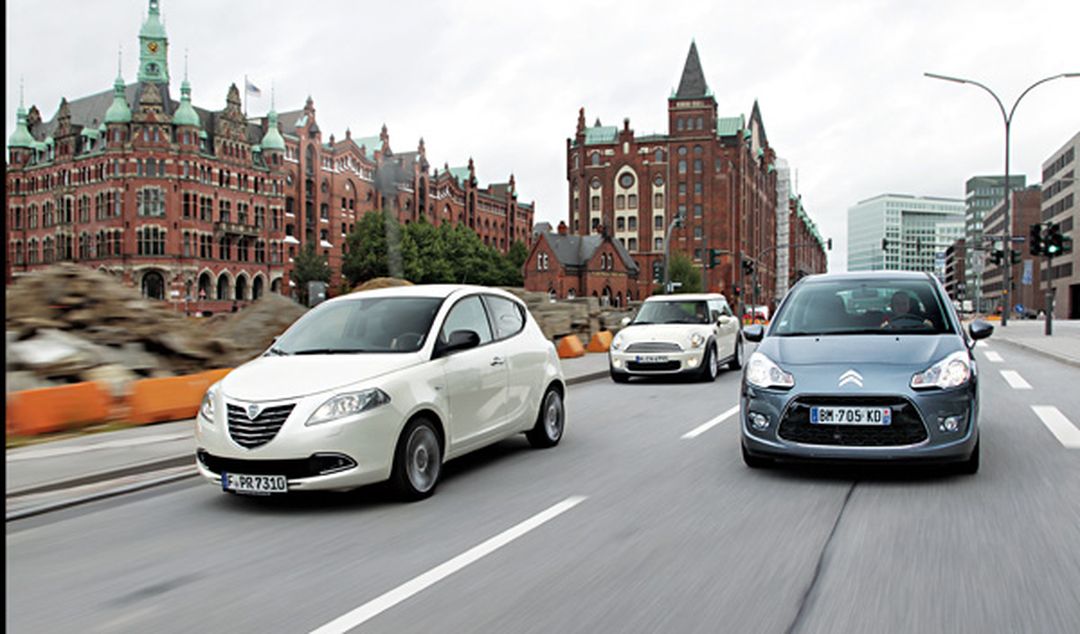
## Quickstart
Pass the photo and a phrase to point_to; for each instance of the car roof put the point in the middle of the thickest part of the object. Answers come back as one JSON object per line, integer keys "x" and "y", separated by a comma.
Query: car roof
{"x": 439, "y": 291}
{"x": 878, "y": 276}
{"x": 684, "y": 297}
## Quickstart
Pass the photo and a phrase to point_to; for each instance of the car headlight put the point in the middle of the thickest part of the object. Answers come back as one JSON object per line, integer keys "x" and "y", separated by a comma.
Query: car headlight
{"x": 762, "y": 372}
{"x": 206, "y": 408}
{"x": 348, "y": 404}
{"x": 617, "y": 342}
{"x": 952, "y": 371}
{"x": 696, "y": 340}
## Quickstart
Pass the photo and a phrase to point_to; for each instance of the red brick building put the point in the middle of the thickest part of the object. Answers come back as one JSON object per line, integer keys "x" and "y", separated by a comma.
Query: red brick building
{"x": 1026, "y": 210}
{"x": 568, "y": 266}
{"x": 806, "y": 248}
{"x": 715, "y": 172}
{"x": 207, "y": 208}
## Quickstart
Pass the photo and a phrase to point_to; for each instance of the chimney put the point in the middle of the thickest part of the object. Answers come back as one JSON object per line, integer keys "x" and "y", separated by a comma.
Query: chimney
{"x": 562, "y": 228}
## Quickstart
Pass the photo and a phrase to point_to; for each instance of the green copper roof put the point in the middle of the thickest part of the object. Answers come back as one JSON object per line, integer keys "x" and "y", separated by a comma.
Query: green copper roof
{"x": 460, "y": 173}
{"x": 90, "y": 132}
{"x": 185, "y": 114}
{"x": 272, "y": 140}
{"x": 729, "y": 126}
{"x": 152, "y": 27}
{"x": 118, "y": 112}
{"x": 257, "y": 149}
{"x": 599, "y": 135}
{"x": 370, "y": 143}
{"x": 21, "y": 138}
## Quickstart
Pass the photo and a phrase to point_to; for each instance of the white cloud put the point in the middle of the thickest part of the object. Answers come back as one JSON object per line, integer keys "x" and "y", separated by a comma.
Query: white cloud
{"x": 840, "y": 84}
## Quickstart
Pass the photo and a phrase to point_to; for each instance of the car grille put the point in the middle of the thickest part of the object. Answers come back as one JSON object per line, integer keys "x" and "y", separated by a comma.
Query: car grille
{"x": 667, "y": 366}
{"x": 250, "y": 433}
{"x": 653, "y": 346}
{"x": 317, "y": 464}
{"x": 907, "y": 427}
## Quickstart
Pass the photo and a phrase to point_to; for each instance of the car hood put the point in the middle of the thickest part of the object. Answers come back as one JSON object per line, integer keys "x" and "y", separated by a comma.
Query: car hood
{"x": 662, "y": 332}
{"x": 277, "y": 378}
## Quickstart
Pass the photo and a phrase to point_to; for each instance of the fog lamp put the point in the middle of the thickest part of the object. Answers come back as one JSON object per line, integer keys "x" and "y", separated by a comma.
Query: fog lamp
{"x": 951, "y": 424}
{"x": 616, "y": 363}
{"x": 758, "y": 421}
{"x": 691, "y": 363}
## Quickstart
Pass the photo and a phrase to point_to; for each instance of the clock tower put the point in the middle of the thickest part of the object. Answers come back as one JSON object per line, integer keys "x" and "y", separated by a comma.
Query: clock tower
{"x": 153, "y": 48}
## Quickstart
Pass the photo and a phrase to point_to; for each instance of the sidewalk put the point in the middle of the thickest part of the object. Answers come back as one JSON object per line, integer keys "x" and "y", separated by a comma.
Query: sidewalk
{"x": 1063, "y": 345}
{"x": 37, "y": 472}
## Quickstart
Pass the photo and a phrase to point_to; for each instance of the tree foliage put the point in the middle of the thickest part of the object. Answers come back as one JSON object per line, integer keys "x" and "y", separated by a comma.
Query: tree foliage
{"x": 685, "y": 273}
{"x": 309, "y": 266}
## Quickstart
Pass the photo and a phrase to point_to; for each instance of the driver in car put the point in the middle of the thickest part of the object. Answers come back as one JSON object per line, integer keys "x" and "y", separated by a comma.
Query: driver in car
{"x": 901, "y": 309}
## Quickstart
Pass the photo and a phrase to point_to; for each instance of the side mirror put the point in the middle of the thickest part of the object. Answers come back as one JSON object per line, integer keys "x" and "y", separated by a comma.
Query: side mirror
{"x": 625, "y": 321}
{"x": 753, "y": 333}
{"x": 979, "y": 329}
{"x": 458, "y": 340}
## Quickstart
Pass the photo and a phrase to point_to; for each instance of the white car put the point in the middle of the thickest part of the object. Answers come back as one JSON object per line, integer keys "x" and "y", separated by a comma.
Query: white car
{"x": 673, "y": 334}
{"x": 382, "y": 385}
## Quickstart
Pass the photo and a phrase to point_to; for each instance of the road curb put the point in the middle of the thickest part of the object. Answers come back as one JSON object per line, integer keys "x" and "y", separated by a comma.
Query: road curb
{"x": 1052, "y": 355}
{"x": 104, "y": 476}
{"x": 585, "y": 378}
{"x": 41, "y": 509}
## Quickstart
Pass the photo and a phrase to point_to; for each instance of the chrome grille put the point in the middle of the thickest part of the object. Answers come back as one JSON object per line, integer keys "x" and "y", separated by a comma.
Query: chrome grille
{"x": 251, "y": 433}
{"x": 654, "y": 346}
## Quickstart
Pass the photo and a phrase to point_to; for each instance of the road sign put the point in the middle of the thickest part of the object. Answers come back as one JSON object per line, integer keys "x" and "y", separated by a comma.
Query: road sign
{"x": 1019, "y": 308}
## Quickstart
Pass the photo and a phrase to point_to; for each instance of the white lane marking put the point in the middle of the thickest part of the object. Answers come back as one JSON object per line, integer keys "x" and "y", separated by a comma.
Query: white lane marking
{"x": 982, "y": 344}
{"x": 1015, "y": 381}
{"x": 1066, "y": 433}
{"x": 701, "y": 429}
{"x": 31, "y": 454}
{"x": 388, "y": 600}
{"x": 993, "y": 356}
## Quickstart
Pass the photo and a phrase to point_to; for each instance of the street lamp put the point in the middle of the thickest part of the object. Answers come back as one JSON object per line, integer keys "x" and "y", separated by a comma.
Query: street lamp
{"x": 1007, "y": 280}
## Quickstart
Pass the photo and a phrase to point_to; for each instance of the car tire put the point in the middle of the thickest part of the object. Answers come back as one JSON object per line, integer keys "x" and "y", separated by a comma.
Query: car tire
{"x": 736, "y": 360}
{"x": 417, "y": 461}
{"x": 550, "y": 421}
{"x": 710, "y": 366}
{"x": 971, "y": 465}
{"x": 755, "y": 462}
{"x": 620, "y": 377}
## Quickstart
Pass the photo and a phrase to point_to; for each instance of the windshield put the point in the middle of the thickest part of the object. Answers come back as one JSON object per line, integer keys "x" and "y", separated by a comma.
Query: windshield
{"x": 863, "y": 307}
{"x": 673, "y": 312}
{"x": 383, "y": 324}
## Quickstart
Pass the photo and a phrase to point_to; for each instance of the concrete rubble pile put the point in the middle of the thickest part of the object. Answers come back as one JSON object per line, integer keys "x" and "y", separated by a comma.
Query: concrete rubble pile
{"x": 68, "y": 323}
{"x": 581, "y": 316}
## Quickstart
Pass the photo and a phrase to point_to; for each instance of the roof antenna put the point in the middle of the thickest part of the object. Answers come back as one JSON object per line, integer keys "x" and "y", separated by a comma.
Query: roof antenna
{"x": 185, "y": 64}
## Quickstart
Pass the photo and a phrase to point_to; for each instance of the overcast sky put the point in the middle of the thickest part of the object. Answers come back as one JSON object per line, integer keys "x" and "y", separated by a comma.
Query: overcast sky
{"x": 840, "y": 84}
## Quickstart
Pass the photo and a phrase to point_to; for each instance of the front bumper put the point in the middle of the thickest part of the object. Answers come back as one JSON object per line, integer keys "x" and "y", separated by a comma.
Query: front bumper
{"x": 368, "y": 439}
{"x": 675, "y": 362}
{"x": 937, "y": 445}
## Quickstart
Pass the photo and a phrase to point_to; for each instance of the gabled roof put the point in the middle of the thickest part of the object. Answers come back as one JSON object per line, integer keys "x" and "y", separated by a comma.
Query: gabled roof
{"x": 571, "y": 250}
{"x": 370, "y": 143}
{"x": 600, "y": 135}
{"x": 692, "y": 85}
{"x": 729, "y": 126}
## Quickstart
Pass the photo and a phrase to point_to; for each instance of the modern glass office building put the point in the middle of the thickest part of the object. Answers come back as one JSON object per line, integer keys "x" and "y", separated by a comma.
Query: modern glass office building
{"x": 917, "y": 228}
{"x": 982, "y": 194}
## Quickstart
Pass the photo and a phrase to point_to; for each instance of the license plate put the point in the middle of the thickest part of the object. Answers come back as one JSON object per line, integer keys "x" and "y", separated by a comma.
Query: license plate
{"x": 850, "y": 416}
{"x": 651, "y": 358}
{"x": 254, "y": 484}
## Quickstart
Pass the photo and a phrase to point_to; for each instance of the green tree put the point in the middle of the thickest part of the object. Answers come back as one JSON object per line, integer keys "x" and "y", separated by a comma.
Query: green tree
{"x": 684, "y": 272}
{"x": 434, "y": 266}
{"x": 309, "y": 266}
{"x": 379, "y": 248}
{"x": 518, "y": 254}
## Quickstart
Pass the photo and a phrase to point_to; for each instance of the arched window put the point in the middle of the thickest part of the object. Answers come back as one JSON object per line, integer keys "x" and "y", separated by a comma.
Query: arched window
{"x": 153, "y": 285}
{"x": 659, "y": 156}
{"x": 241, "y": 288}
{"x": 594, "y": 158}
{"x": 257, "y": 288}
{"x": 223, "y": 287}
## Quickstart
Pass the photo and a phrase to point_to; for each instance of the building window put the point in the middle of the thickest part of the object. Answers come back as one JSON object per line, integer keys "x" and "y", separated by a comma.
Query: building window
{"x": 150, "y": 201}
{"x": 620, "y": 202}
{"x": 151, "y": 240}
{"x": 697, "y": 188}
{"x": 594, "y": 158}
{"x": 631, "y": 223}
{"x": 658, "y": 201}
{"x": 658, "y": 244}
{"x": 679, "y": 124}
{"x": 682, "y": 167}
{"x": 659, "y": 156}
{"x": 698, "y": 233}
{"x": 632, "y": 244}
{"x": 698, "y": 211}
{"x": 697, "y": 254}
{"x": 620, "y": 224}
{"x": 595, "y": 203}
{"x": 697, "y": 166}
{"x": 631, "y": 201}
{"x": 658, "y": 222}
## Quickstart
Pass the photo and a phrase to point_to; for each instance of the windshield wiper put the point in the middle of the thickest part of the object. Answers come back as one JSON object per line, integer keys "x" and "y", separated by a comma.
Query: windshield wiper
{"x": 277, "y": 352}
{"x": 331, "y": 351}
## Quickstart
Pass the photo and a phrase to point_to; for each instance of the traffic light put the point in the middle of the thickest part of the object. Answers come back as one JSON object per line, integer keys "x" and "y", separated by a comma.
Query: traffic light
{"x": 997, "y": 256}
{"x": 1054, "y": 240}
{"x": 714, "y": 258}
{"x": 658, "y": 271}
{"x": 1035, "y": 240}
{"x": 738, "y": 290}
{"x": 1016, "y": 256}
{"x": 748, "y": 266}
{"x": 828, "y": 244}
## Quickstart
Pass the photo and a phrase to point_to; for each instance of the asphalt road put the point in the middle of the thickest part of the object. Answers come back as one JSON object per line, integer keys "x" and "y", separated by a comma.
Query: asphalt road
{"x": 673, "y": 534}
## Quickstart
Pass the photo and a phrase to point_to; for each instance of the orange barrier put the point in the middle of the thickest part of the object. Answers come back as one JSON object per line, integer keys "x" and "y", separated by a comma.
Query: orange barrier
{"x": 52, "y": 409}
{"x": 600, "y": 342}
{"x": 570, "y": 347}
{"x": 171, "y": 398}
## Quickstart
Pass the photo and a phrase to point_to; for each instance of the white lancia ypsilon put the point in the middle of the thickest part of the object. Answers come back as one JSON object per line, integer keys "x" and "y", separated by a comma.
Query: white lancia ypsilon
{"x": 382, "y": 385}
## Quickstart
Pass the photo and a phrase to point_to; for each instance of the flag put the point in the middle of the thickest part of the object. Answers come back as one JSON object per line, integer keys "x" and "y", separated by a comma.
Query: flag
{"x": 251, "y": 88}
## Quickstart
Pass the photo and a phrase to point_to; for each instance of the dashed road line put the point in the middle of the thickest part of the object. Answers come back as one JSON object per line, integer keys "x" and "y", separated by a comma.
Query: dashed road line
{"x": 1063, "y": 429}
{"x": 993, "y": 357}
{"x": 388, "y": 600}
{"x": 701, "y": 429}
{"x": 1015, "y": 381}
{"x": 982, "y": 344}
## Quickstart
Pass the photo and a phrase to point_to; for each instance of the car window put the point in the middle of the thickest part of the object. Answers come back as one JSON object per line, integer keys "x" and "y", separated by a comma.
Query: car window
{"x": 381, "y": 324}
{"x": 863, "y": 307}
{"x": 467, "y": 314}
{"x": 506, "y": 315}
{"x": 716, "y": 309}
{"x": 673, "y": 312}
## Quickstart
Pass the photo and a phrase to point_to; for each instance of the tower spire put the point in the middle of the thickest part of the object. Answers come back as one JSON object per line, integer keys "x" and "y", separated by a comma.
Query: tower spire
{"x": 692, "y": 85}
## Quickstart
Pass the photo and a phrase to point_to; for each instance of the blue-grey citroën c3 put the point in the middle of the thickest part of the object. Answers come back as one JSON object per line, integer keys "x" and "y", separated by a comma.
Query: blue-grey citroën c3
{"x": 863, "y": 367}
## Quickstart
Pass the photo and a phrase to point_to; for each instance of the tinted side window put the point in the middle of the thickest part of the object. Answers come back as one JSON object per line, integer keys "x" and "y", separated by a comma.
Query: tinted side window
{"x": 716, "y": 308}
{"x": 468, "y": 314}
{"x": 507, "y": 316}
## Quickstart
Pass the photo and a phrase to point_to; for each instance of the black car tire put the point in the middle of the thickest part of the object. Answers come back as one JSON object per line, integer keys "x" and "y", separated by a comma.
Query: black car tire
{"x": 419, "y": 431}
{"x": 547, "y": 432}
{"x": 620, "y": 377}
{"x": 706, "y": 372}
{"x": 755, "y": 462}
{"x": 736, "y": 361}
{"x": 971, "y": 465}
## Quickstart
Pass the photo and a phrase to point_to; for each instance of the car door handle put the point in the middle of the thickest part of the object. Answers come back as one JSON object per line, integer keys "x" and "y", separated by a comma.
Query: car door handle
{"x": 498, "y": 361}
